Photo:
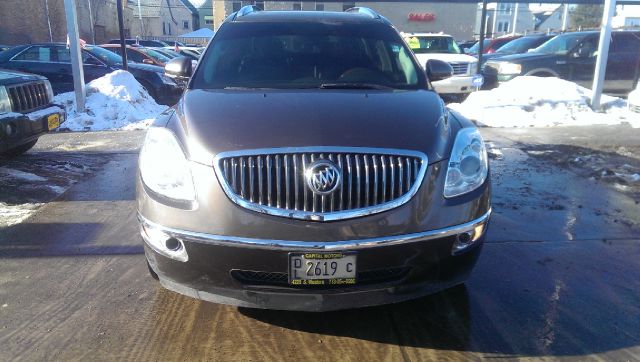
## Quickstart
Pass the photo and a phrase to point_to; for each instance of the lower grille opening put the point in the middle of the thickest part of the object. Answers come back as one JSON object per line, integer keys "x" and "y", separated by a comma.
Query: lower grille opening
{"x": 281, "y": 279}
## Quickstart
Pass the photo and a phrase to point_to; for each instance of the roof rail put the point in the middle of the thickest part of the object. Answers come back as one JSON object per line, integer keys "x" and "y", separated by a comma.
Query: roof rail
{"x": 364, "y": 10}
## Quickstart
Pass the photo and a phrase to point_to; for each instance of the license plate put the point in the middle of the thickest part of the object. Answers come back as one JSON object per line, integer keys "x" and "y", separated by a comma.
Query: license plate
{"x": 322, "y": 268}
{"x": 53, "y": 121}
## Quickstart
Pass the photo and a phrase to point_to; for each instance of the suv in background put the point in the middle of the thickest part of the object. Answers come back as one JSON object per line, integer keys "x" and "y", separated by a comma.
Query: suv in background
{"x": 572, "y": 56}
{"x": 491, "y": 45}
{"x": 26, "y": 111}
{"x": 427, "y": 46}
{"x": 518, "y": 46}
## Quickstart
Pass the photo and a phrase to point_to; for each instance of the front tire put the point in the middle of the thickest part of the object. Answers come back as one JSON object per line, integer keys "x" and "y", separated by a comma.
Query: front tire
{"x": 18, "y": 150}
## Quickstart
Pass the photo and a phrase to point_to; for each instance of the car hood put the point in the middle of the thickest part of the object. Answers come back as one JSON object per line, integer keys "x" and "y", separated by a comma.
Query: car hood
{"x": 525, "y": 57}
{"x": 8, "y": 77}
{"x": 214, "y": 121}
{"x": 423, "y": 58}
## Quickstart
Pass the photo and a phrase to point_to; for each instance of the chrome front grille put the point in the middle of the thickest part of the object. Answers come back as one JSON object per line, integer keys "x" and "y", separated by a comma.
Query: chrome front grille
{"x": 460, "y": 68}
{"x": 28, "y": 97}
{"x": 274, "y": 181}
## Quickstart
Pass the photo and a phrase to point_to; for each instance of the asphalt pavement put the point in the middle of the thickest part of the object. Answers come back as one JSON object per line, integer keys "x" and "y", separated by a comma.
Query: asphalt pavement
{"x": 559, "y": 276}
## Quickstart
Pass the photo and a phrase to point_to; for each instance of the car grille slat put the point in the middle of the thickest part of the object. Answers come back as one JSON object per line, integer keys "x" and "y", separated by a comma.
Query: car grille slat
{"x": 275, "y": 182}
{"x": 459, "y": 68}
{"x": 28, "y": 97}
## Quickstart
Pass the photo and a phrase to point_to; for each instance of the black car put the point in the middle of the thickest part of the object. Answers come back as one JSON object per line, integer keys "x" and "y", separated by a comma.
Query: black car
{"x": 26, "y": 111}
{"x": 53, "y": 61}
{"x": 518, "y": 46}
{"x": 572, "y": 56}
{"x": 310, "y": 165}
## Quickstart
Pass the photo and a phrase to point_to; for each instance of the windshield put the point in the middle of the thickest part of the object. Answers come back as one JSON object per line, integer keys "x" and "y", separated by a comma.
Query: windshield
{"x": 314, "y": 55}
{"x": 433, "y": 44}
{"x": 520, "y": 45}
{"x": 474, "y": 49}
{"x": 157, "y": 56}
{"x": 561, "y": 44}
{"x": 106, "y": 56}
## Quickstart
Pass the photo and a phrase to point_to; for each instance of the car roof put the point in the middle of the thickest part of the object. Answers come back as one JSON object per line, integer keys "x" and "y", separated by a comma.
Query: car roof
{"x": 426, "y": 34}
{"x": 307, "y": 16}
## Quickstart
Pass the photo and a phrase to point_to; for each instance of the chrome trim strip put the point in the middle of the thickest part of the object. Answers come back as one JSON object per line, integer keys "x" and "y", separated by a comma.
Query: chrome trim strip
{"x": 313, "y": 215}
{"x": 223, "y": 240}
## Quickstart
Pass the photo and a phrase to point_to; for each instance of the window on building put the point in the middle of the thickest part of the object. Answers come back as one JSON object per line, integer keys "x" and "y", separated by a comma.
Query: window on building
{"x": 319, "y": 7}
{"x": 169, "y": 28}
{"x": 297, "y": 6}
{"x": 504, "y": 8}
{"x": 236, "y": 6}
{"x": 164, "y": 28}
{"x": 348, "y": 5}
{"x": 503, "y": 26}
{"x": 208, "y": 20}
{"x": 185, "y": 24}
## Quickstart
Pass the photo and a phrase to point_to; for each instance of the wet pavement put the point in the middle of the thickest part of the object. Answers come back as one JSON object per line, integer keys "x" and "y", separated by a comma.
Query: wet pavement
{"x": 559, "y": 276}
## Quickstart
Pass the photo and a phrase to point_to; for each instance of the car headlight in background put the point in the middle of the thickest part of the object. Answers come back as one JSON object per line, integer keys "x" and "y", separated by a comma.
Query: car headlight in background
{"x": 47, "y": 85}
{"x": 5, "y": 104}
{"x": 163, "y": 166}
{"x": 468, "y": 164}
{"x": 510, "y": 68}
{"x": 473, "y": 67}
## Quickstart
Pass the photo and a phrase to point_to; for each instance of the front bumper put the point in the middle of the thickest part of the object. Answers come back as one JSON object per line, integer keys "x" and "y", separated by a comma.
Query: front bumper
{"x": 456, "y": 85}
{"x": 251, "y": 272}
{"x": 17, "y": 128}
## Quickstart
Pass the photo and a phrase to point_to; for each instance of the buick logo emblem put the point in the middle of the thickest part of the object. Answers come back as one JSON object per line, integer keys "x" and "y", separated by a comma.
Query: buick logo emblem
{"x": 323, "y": 177}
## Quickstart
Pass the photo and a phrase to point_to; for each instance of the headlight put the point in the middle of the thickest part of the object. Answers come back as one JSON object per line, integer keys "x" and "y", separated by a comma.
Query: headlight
{"x": 468, "y": 164}
{"x": 5, "y": 104}
{"x": 166, "y": 80}
{"x": 47, "y": 85}
{"x": 510, "y": 68}
{"x": 473, "y": 67}
{"x": 163, "y": 166}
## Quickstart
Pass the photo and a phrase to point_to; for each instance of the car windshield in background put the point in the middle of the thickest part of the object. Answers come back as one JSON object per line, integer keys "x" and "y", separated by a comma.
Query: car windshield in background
{"x": 474, "y": 49}
{"x": 109, "y": 57}
{"x": 520, "y": 45}
{"x": 157, "y": 56}
{"x": 561, "y": 44}
{"x": 315, "y": 55}
{"x": 433, "y": 44}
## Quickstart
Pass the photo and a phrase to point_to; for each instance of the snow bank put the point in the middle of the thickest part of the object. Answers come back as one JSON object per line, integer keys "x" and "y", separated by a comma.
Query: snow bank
{"x": 542, "y": 102}
{"x": 115, "y": 101}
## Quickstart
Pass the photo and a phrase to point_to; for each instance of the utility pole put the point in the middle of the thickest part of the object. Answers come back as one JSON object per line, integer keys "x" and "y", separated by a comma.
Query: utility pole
{"x": 93, "y": 34}
{"x": 123, "y": 44}
{"x": 483, "y": 21}
{"x": 46, "y": 11}
{"x": 515, "y": 20}
{"x": 140, "y": 17}
{"x": 565, "y": 17}
{"x": 495, "y": 21}
{"x": 603, "y": 53}
{"x": 74, "y": 49}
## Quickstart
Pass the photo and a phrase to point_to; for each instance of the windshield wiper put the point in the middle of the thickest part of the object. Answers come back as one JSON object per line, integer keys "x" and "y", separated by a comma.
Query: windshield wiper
{"x": 352, "y": 86}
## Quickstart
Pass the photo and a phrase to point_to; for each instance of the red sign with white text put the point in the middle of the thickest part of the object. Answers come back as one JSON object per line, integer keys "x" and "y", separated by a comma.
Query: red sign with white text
{"x": 421, "y": 17}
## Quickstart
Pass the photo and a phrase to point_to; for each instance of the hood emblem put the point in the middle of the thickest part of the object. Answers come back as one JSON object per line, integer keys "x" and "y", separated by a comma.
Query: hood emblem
{"x": 323, "y": 177}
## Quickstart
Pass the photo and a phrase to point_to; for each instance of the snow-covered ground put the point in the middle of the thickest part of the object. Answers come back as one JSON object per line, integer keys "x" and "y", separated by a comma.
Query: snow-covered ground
{"x": 115, "y": 101}
{"x": 542, "y": 102}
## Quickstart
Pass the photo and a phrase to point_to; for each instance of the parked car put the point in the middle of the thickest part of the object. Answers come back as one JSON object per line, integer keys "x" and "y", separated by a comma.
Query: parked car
{"x": 572, "y": 56}
{"x": 185, "y": 52}
{"x": 140, "y": 42}
{"x": 4, "y": 47}
{"x": 311, "y": 166}
{"x": 26, "y": 111}
{"x": 140, "y": 54}
{"x": 465, "y": 45}
{"x": 491, "y": 45}
{"x": 518, "y": 46}
{"x": 53, "y": 61}
{"x": 173, "y": 43}
{"x": 427, "y": 46}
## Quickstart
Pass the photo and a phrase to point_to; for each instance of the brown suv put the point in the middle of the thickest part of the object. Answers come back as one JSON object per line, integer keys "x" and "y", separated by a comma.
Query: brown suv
{"x": 310, "y": 166}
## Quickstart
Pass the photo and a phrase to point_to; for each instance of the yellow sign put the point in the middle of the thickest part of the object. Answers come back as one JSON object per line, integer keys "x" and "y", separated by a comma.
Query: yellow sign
{"x": 414, "y": 42}
{"x": 53, "y": 121}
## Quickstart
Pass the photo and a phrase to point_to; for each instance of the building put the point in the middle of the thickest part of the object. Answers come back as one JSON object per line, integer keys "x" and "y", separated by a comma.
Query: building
{"x": 205, "y": 12}
{"x": 501, "y": 19}
{"x": 456, "y": 19}
{"x": 627, "y": 16}
{"x": 165, "y": 18}
{"x": 32, "y": 21}
{"x": 549, "y": 20}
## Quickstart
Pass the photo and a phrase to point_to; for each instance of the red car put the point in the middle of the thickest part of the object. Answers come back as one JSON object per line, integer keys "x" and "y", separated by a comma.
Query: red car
{"x": 491, "y": 45}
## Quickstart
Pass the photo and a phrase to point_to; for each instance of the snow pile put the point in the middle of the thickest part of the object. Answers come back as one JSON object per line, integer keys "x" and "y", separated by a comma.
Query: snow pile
{"x": 115, "y": 101}
{"x": 542, "y": 102}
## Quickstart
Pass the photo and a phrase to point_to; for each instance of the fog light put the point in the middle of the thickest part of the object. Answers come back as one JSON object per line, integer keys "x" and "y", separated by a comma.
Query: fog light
{"x": 467, "y": 239}
{"x": 10, "y": 129}
{"x": 163, "y": 243}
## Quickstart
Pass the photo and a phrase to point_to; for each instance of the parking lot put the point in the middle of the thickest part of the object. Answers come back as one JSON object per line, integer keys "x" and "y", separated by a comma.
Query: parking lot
{"x": 558, "y": 275}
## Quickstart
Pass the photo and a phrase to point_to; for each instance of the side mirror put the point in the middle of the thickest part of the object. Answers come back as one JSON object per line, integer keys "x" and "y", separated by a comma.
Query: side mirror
{"x": 179, "y": 69}
{"x": 438, "y": 70}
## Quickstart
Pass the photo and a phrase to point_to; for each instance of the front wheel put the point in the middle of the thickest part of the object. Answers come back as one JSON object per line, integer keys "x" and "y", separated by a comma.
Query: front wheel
{"x": 18, "y": 150}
